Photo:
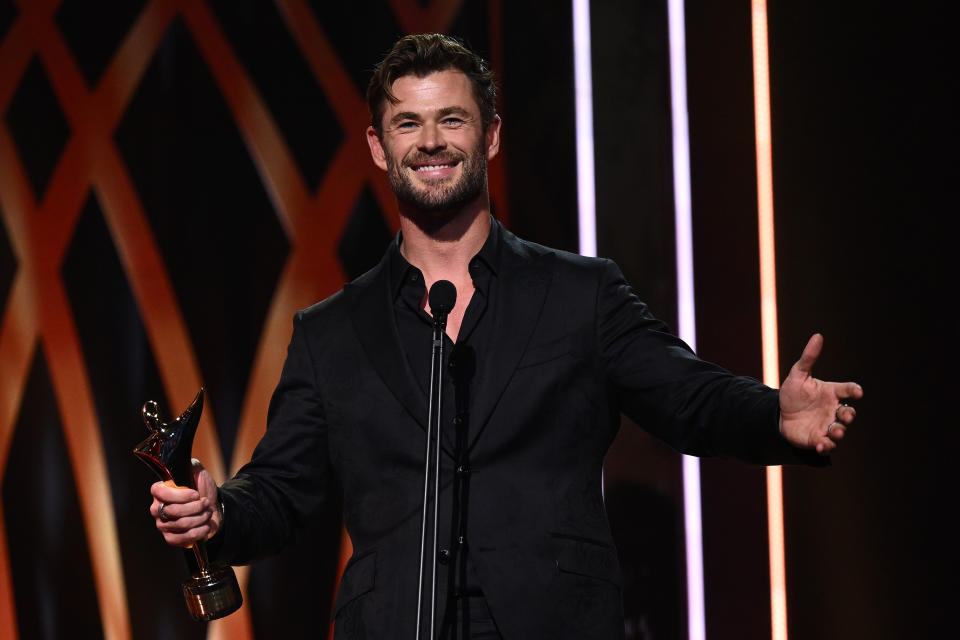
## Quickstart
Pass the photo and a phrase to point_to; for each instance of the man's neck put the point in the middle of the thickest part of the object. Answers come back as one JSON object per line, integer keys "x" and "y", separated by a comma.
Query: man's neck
{"x": 444, "y": 251}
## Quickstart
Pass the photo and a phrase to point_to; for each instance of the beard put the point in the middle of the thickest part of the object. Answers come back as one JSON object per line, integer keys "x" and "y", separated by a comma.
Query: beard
{"x": 444, "y": 195}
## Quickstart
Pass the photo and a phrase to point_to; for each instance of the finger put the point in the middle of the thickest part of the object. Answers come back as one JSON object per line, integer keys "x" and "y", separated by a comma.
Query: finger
{"x": 825, "y": 446}
{"x": 183, "y": 525}
{"x": 836, "y": 431}
{"x": 846, "y": 414}
{"x": 171, "y": 494}
{"x": 848, "y": 390}
{"x": 810, "y": 354}
{"x": 174, "y": 511}
{"x": 203, "y": 481}
{"x": 827, "y": 442}
{"x": 188, "y": 539}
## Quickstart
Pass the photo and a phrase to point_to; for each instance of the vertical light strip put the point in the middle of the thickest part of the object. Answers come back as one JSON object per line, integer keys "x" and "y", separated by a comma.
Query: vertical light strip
{"x": 686, "y": 316}
{"x": 768, "y": 307}
{"x": 684, "y": 246}
{"x": 583, "y": 88}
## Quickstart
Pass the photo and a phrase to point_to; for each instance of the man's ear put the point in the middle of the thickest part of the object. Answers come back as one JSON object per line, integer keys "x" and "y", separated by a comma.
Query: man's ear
{"x": 493, "y": 137}
{"x": 376, "y": 148}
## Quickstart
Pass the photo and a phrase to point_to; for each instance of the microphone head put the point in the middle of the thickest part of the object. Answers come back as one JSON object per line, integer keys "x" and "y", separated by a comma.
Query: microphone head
{"x": 443, "y": 295}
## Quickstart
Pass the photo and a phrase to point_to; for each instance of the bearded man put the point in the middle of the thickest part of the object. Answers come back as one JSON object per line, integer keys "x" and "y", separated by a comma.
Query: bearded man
{"x": 547, "y": 349}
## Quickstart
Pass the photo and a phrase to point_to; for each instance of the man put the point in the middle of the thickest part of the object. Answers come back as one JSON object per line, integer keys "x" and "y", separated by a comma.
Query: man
{"x": 547, "y": 349}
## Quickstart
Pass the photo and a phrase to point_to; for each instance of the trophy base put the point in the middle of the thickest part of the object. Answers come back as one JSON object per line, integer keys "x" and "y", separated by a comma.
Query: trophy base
{"x": 213, "y": 593}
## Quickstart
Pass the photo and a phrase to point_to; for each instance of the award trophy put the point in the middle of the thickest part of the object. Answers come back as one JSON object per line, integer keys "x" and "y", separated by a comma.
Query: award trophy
{"x": 211, "y": 591}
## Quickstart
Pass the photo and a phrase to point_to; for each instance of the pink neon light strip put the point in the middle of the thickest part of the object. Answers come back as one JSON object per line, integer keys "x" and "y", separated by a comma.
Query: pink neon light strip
{"x": 583, "y": 86}
{"x": 684, "y": 247}
{"x": 686, "y": 309}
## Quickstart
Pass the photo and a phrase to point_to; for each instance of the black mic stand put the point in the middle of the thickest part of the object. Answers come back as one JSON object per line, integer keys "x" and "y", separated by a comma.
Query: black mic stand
{"x": 442, "y": 298}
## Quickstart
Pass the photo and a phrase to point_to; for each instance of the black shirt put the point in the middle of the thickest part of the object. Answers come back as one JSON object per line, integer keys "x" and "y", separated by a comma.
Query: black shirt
{"x": 463, "y": 365}
{"x": 415, "y": 326}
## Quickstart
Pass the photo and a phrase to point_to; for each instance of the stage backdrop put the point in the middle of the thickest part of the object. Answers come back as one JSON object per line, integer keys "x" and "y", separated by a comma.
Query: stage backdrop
{"x": 178, "y": 177}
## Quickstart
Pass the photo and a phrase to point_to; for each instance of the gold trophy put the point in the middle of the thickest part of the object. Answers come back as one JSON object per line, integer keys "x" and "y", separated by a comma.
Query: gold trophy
{"x": 211, "y": 591}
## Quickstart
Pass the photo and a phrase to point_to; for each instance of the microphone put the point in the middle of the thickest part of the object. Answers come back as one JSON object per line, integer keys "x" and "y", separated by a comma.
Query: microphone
{"x": 443, "y": 295}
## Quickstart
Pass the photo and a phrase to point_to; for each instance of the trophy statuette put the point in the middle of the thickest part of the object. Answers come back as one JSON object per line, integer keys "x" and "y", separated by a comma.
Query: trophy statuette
{"x": 211, "y": 591}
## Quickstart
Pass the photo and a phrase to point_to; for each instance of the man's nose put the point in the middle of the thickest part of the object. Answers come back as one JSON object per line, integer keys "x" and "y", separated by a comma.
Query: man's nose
{"x": 430, "y": 138}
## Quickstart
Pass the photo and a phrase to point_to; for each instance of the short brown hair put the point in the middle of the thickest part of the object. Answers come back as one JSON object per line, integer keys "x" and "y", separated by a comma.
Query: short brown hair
{"x": 423, "y": 54}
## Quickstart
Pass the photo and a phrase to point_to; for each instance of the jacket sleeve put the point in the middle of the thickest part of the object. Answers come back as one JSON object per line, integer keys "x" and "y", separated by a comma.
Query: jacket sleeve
{"x": 287, "y": 479}
{"x": 695, "y": 406}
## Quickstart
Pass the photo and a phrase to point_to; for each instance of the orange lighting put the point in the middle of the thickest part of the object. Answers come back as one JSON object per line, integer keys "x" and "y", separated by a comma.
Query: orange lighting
{"x": 346, "y": 551}
{"x": 37, "y": 316}
{"x": 768, "y": 307}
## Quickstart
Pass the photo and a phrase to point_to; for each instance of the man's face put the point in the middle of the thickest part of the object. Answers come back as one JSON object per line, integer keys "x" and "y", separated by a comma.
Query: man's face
{"x": 433, "y": 146}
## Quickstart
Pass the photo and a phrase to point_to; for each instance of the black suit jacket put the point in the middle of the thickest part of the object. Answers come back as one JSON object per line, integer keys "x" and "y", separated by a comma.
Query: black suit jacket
{"x": 574, "y": 348}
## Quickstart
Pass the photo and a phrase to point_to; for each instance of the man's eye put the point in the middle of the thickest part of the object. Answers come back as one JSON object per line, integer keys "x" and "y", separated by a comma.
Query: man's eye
{"x": 406, "y": 125}
{"x": 452, "y": 122}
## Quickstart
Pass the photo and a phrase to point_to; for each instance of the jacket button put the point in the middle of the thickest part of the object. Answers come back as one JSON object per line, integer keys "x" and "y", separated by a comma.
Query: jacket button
{"x": 463, "y": 470}
{"x": 443, "y": 557}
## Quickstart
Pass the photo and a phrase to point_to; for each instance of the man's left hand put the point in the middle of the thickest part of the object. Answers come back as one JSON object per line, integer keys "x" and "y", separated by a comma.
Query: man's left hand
{"x": 814, "y": 414}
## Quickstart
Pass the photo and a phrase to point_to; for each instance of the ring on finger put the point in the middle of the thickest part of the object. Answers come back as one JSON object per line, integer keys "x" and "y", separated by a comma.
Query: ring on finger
{"x": 164, "y": 518}
{"x": 836, "y": 413}
{"x": 831, "y": 426}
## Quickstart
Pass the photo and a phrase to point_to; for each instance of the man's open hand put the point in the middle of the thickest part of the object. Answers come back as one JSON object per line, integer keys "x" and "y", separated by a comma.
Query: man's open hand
{"x": 814, "y": 414}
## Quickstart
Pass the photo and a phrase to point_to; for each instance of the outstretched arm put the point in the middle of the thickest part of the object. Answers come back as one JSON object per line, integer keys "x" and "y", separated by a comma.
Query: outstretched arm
{"x": 814, "y": 414}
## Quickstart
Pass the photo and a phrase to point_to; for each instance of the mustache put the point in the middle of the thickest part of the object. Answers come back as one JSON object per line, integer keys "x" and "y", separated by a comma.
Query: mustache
{"x": 437, "y": 158}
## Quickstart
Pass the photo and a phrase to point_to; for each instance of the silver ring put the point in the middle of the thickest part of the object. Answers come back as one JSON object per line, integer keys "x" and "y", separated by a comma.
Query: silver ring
{"x": 163, "y": 517}
{"x": 836, "y": 413}
{"x": 829, "y": 427}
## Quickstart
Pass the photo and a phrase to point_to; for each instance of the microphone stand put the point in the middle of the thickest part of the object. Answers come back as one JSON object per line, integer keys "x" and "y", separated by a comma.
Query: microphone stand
{"x": 433, "y": 437}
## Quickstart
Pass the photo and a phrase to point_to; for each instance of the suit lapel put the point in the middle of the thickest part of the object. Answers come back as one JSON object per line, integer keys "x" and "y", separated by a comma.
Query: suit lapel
{"x": 372, "y": 314}
{"x": 523, "y": 284}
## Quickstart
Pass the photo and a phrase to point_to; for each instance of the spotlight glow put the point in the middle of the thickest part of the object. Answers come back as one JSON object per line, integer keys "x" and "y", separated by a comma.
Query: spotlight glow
{"x": 684, "y": 247}
{"x": 768, "y": 307}
{"x": 583, "y": 87}
{"x": 686, "y": 309}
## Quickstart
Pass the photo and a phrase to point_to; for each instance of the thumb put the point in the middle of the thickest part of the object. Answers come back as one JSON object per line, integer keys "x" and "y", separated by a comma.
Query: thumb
{"x": 810, "y": 354}
{"x": 203, "y": 481}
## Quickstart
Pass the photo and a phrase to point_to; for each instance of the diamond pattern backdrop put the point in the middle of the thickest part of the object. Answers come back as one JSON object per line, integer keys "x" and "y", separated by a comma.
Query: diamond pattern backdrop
{"x": 177, "y": 178}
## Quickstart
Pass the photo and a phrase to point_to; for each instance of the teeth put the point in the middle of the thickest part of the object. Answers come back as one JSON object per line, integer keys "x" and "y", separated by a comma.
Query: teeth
{"x": 434, "y": 167}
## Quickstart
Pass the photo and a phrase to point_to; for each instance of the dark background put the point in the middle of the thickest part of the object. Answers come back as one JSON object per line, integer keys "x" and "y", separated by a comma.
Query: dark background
{"x": 862, "y": 118}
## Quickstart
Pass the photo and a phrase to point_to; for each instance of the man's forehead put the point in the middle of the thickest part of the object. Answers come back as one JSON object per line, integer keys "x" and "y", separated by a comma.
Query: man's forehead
{"x": 435, "y": 91}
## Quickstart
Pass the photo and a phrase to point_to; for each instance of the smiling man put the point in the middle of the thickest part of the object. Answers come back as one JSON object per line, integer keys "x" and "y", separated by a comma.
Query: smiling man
{"x": 546, "y": 349}
{"x": 435, "y": 143}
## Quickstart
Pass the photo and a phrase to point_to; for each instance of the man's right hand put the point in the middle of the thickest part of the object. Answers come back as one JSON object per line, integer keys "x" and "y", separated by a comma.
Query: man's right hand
{"x": 187, "y": 515}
